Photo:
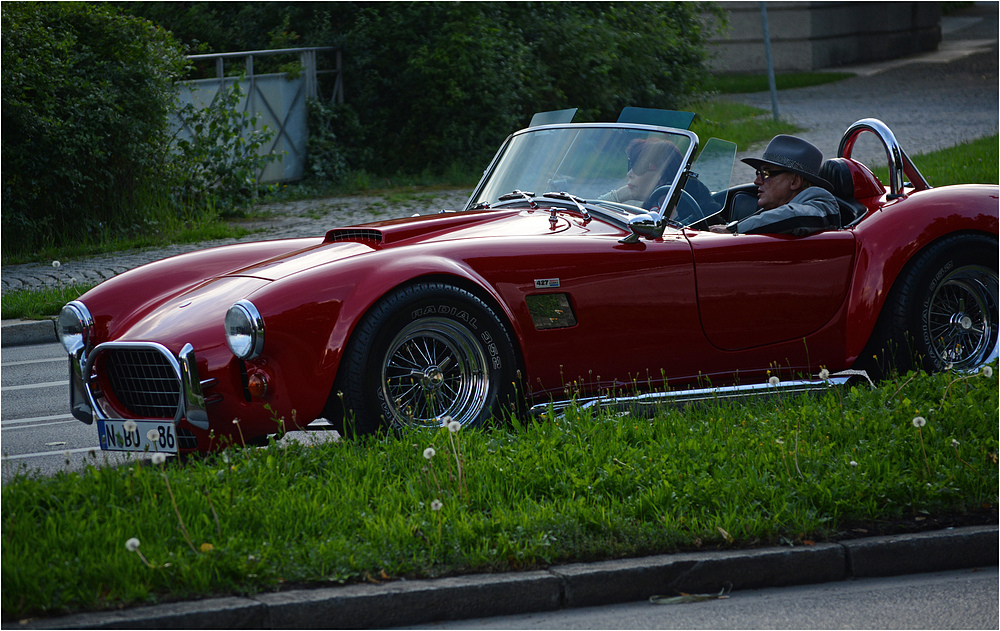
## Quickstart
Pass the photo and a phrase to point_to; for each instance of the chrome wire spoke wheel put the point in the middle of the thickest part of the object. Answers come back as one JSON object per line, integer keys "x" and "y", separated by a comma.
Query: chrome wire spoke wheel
{"x": 961, "y": 318}
{"x": 434, "y": 367}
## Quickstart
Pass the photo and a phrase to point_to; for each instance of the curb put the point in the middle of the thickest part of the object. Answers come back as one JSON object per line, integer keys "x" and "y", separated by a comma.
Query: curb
{"x": 25, "y": 332}
{"x": 407, "y": 603}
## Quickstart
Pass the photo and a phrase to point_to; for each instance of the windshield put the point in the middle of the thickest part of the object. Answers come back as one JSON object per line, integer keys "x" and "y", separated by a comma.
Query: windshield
{"x": 627, "y": 168}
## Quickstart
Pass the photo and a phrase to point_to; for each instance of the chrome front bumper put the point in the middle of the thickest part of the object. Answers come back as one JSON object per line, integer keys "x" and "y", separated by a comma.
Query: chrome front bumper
{"x": 85, "y": 403}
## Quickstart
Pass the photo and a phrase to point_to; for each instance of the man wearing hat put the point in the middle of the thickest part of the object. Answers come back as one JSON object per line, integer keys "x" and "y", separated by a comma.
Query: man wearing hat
{"x": 791, "y": 196}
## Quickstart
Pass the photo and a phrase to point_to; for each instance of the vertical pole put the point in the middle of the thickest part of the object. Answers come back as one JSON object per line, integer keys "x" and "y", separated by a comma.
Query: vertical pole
{"x": 251, "y": 97}
{"x": 770, "y": 61}
{"x": 338, "y": 88}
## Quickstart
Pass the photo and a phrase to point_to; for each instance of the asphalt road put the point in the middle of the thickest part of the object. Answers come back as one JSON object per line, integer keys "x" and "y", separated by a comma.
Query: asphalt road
{"x": 964, "y": 599}
{"x": 37, "y": 433}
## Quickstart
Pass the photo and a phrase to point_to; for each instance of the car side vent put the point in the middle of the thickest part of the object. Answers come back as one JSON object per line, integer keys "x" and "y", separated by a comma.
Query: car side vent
{"x": 354, "y": 234}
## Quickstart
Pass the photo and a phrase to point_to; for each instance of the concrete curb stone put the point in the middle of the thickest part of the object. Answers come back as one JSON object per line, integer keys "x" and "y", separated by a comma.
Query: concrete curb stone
{"x": 404, "y": 603}
{"x": 26, "y": 332}
{"x": 908, "y": 554}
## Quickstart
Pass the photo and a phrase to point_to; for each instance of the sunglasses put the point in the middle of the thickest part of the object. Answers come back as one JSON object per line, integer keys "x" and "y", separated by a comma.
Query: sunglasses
{"x": 766, "y": 174}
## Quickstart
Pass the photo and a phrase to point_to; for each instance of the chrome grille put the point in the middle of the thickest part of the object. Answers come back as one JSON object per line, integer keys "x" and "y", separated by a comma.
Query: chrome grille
{"x": 144, "y": 381}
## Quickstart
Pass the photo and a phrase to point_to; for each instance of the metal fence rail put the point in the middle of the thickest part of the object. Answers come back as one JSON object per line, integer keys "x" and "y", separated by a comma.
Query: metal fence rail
{"x": 277, "y": 100}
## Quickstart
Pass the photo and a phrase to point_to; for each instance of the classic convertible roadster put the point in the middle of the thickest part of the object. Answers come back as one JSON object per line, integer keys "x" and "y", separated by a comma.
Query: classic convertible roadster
{"x": 552, "y": 283}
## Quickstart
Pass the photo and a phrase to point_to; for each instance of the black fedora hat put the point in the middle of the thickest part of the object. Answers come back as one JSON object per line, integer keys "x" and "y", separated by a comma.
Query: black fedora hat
{"x": 795, "y": 155}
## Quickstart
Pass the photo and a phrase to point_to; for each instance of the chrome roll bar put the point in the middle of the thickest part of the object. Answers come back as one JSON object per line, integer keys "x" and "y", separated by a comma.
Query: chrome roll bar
{"x": 900, "y": 165}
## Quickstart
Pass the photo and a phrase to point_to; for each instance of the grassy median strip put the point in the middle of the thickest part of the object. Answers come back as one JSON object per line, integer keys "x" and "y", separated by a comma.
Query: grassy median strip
{"x": 33, "y": 304}
{"x": 584, "y": 487}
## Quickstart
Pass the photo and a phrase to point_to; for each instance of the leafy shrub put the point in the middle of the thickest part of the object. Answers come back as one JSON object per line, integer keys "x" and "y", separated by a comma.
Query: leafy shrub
{"x": 220, "y": 162}
{"x": 435, "y": 87}
{"x": 326, "y": 154}
{"x": 86, "y": 93}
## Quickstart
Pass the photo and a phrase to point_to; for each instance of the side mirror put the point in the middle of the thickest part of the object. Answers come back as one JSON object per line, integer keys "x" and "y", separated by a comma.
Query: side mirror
{"x": 649, "y": 225}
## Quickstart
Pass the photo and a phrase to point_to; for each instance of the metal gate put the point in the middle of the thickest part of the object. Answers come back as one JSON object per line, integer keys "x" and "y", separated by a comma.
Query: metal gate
{"x": 278, "y": 98}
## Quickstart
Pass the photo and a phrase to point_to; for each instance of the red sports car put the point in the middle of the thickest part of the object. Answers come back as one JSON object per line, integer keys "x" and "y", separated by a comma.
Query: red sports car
{"x": 561, "y": 278}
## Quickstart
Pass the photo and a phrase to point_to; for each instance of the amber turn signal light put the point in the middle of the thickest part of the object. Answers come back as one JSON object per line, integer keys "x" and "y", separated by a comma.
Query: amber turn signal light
{"x": 257, "y": 385}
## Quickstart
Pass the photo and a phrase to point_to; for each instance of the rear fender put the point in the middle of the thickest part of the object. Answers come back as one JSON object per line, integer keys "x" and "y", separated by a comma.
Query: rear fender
{"x": 892, "y": 236}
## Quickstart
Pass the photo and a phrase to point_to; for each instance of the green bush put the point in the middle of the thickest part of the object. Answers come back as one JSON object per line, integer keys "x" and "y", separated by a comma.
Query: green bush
{"x": 86, "y": 93}
{"x": 219, "y": 164}
{"x": 434, "y": 87}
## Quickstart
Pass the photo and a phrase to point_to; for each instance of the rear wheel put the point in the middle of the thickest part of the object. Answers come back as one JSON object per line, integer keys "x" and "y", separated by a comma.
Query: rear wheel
{"x": 423, "y": 354}
{"x": 943, "y": 312}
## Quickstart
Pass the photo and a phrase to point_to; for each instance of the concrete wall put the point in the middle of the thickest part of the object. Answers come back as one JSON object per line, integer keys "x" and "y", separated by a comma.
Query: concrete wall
{"x": 808, "y": 36}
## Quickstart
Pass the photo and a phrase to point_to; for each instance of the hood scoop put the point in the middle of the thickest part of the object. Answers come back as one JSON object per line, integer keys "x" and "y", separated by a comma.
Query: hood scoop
{"x": 363, "y": 235}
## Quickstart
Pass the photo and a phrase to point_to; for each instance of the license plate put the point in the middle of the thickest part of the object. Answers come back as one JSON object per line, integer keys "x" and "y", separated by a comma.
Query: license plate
{"x": 114, "y": 437}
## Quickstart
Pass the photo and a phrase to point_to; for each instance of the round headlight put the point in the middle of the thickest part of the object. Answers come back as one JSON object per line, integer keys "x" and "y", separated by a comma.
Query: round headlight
{"x": 244, "y": 330}
{"x": 75, "y": 326}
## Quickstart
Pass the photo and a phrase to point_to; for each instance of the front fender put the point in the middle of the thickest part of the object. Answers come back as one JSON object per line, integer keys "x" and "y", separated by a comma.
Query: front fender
{"x": 309, "y": 317}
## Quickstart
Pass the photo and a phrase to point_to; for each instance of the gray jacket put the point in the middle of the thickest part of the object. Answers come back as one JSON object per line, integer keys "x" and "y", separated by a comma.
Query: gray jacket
{"x": 813, "y": 210}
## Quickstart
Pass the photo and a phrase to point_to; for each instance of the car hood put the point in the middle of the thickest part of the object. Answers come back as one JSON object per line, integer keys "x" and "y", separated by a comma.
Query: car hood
{"x": 341, "y": 243}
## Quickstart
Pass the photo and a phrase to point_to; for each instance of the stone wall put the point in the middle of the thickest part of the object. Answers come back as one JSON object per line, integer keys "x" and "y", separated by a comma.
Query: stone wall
{"x": 808, "y": 36}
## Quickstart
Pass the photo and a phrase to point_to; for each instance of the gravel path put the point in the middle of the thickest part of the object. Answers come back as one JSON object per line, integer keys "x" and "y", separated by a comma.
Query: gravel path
{"x": 930, "y": 101}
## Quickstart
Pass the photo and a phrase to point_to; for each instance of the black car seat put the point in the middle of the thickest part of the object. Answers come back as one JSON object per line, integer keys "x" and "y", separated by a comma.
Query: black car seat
{"x": 836, "y": 172}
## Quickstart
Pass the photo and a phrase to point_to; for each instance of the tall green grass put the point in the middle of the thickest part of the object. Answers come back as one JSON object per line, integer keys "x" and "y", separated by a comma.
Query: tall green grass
{"x": 588, "y": 486}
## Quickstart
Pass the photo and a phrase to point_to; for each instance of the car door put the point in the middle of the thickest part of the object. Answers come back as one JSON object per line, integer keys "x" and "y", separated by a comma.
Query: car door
{"x": 756, "y": 290}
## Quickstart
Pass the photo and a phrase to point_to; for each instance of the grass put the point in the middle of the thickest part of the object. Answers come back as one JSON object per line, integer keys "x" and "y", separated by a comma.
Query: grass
{"x": 972, "y": 162}
{"x": 585, "y": 487}
{"x": 744, "y": 83}
{"x": 39, "y": 303}
{"x": 739, "y": 123}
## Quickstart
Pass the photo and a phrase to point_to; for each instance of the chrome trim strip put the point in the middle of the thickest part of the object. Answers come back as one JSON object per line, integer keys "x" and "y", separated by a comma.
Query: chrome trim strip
{"x": 652, "y": 399}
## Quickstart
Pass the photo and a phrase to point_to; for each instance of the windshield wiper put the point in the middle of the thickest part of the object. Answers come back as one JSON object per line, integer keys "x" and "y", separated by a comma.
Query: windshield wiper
{"x": 570, "y": 198}
{"x": 519, "y": 194}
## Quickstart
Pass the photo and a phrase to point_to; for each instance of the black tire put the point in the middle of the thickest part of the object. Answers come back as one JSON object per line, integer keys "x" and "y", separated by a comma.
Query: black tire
{"x": 942, "y": 311}
{"x": 423, "y": 353}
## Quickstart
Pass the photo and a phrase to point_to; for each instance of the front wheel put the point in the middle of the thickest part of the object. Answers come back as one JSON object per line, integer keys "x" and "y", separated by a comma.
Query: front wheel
{"x": 944, "y": 312}
{"x": 423, "y": 354}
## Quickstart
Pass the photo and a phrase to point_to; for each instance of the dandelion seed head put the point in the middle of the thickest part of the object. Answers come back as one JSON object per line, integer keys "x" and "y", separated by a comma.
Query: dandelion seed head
{"x": 429, "y": 453}
{"x": 159, "y": 458}
{"x": 987, "y": 372}
{"x": 454, "y": 426}
{"x": 955, "y": 443}
{"x": 132, "y": 544}
{"x": 854, "y": 464}
{"x": 824, "y": 374}
{"x": 774, "y": 381}
{"x": 56, "y": 264}
{"x": 436, "y": 505}
{"x": 152, "y": 435}
{"x": 919, "y": 421}
{"x": 129, "y": 426}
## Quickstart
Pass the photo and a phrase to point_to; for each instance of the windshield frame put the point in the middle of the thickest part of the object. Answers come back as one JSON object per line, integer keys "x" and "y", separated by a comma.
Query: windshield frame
{"x": 628, "y": 209}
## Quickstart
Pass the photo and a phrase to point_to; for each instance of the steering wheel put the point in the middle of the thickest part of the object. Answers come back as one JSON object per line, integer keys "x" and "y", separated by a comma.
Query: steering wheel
{"x": 688, "y": 210}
